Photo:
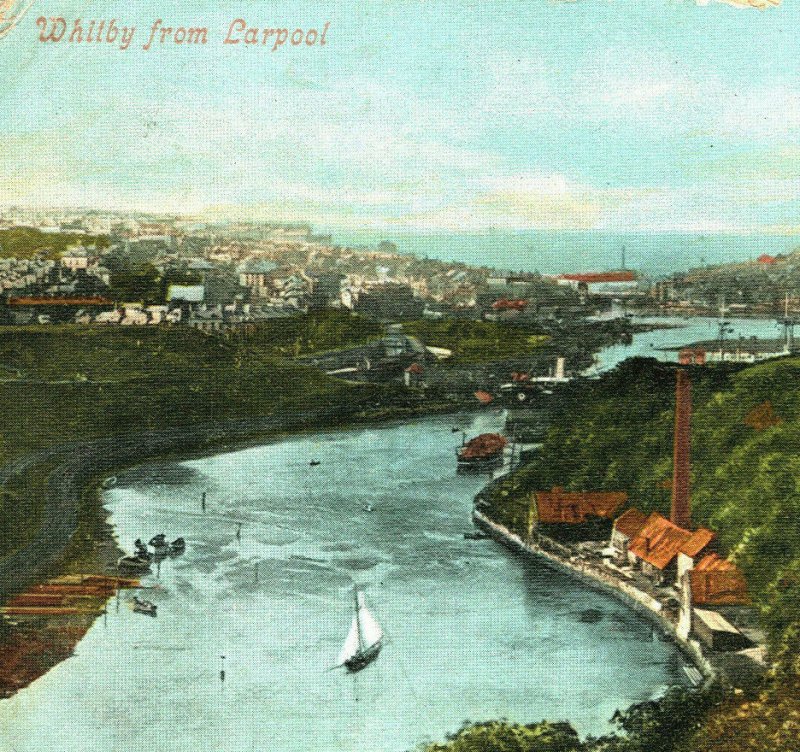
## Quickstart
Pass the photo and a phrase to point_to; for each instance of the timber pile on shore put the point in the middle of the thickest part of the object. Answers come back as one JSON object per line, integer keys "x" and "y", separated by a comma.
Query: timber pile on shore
{"x": 42, "y": 626}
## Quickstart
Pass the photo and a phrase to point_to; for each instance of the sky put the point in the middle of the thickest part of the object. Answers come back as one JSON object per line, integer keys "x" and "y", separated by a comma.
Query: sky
{"x": 610, "y": 115}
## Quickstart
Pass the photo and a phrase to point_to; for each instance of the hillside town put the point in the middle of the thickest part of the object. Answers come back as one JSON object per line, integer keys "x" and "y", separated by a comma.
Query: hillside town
{"x": 214, "y": 276}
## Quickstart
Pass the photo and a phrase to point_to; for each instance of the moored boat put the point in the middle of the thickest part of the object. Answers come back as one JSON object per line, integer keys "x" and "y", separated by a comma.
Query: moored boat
{"x": 484, "y": 453}
{"x": 133, "y": 563}
{"x": 178, "y": 546}
{"x": 144, "y": 607}
{"x": 160, "y": 546}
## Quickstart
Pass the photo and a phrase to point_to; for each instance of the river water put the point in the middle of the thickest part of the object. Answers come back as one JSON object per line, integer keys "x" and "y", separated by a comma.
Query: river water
{"x": 677, "y": 332}
{"x": 474, "y": 632}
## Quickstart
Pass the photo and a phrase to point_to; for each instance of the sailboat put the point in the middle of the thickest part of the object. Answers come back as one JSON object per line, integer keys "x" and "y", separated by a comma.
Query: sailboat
{"x": 364, "y": 640}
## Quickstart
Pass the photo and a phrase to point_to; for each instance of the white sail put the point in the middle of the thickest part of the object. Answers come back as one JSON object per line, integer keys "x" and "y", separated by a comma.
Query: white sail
{"x": 371, "y": 631}
{"x": 351, "y": 644}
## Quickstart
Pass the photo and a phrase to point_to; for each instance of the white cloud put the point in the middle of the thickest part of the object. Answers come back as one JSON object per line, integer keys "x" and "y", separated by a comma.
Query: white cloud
{"x": 764, "y": 114}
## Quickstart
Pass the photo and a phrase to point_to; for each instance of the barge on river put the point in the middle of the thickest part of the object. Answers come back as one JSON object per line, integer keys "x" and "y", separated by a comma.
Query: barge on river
{"x": 483, "y": 454}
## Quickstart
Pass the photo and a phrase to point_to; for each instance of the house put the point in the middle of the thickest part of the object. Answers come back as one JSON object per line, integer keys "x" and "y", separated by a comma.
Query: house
{"x": 715, "y": 581}
{"x": 692, "y": 356}
{"x": 257, "y": 274}
{"x": 578, "y": 510}
{"x": 658, "y": 544}
{"x": 134, "y": 316}
{"x": 157, "y": 313}
{"x": 207, "y": 319}
{"x": 626, "y": 527}
{"x": 716, "y": 632}
{"x": 571, "y": 507}
{"x": 109, "y": 317}
{"x": 76, "y": 259}
{"x": 412, "y": 376}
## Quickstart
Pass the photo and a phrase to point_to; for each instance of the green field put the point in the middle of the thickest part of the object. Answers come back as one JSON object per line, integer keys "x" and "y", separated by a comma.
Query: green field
{"x": 477, "y": 341}
{"x": 28, "y": 242}
{"x": 65, "y": 383}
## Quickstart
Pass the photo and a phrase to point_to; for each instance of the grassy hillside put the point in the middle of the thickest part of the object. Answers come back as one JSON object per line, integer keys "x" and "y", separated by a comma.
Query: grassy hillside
{"x": 65, "y": 383}
{"x": 477, "y": 341}
{"x": 316, "y": 331}
{"x": 27, "y": 242}
{"x": 616, "y": 434}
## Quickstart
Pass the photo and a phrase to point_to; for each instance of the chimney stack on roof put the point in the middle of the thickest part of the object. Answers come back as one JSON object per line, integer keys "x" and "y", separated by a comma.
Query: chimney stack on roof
{"x": 680, "y": 513}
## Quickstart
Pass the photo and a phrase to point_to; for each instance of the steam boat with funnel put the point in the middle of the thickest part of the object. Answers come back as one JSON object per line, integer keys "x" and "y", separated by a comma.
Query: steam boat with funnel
{"x": 526, "y": 390}
{"x": 482, "y": 454}
{"x": 364, "y": 640}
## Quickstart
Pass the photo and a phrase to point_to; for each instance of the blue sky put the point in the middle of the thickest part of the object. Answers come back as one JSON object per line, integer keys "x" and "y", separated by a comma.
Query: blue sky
{"x": 421, "y": 114}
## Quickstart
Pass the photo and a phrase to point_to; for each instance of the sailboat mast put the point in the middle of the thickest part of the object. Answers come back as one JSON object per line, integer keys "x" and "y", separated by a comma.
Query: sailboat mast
{"x": 358, "y": 621}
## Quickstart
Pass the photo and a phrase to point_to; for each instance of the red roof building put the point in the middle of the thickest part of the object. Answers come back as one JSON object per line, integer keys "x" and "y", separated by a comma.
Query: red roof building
{"x": 630, "y": 523}
{"x": 592, "y": 278}
{"x": 659, "y": 542}
{"x": 765, "y": 258}
{"x": 718, "y": 582}
{"x": 574, "y": 507}
{"x": 692, "y": 356}
{"x": 504, "y": 304}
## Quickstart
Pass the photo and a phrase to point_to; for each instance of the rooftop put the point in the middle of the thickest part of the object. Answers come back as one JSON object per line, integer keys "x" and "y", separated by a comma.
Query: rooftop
{"x": 630, "y": 523}
{"x": 623, "y": 275}
{"x": 718, "y": 582}
{"x": 660, "y": 541}
{"x": 572, "y": 507}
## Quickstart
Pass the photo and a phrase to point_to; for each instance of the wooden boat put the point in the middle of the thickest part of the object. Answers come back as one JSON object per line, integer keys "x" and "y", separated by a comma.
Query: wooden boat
{"x": 133, "y": 563}
{"x": 144, "y": 607}
{"x": 178, "y": 546}
{"x": 160, "y": 546}
{"x": 314, "y": 463}
{"x": 482, "y": 454}
{"x": 364, "y": 640}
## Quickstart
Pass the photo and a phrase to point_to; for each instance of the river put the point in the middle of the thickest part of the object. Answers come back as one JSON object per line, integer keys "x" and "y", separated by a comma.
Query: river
{"x": 474, "y": 632}
{"x": 677, "y": 332}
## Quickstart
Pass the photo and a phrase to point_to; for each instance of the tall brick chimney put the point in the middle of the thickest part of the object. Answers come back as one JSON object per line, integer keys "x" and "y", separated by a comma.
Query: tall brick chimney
{"x": 681, "y": 514}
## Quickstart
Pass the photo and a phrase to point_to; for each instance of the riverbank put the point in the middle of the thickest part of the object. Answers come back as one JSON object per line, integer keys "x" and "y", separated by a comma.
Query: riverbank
{"x": 76, "y": 538}
{"x": 712, "y": 665}
{"x": 306, "y": 539}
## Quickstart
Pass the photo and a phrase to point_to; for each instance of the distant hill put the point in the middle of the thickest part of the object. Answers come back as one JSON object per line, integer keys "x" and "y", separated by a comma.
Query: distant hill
{"x": 764, "y": 281}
